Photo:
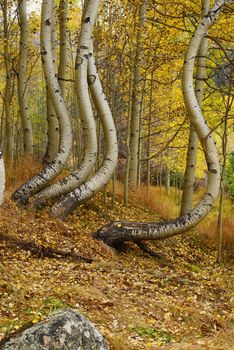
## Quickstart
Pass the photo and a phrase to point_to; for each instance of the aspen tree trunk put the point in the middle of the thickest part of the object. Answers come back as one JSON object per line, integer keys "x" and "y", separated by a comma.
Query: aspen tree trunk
{"x": 190, "y": 171}
{"x": 136, "y": 99}
{"x": 74, "y": 180}
{"x": 22, "y": 92}
{"x": 8, "y": 86}
{"x": 148, "y": 164}
{"x": 220, "y": 215}
{"x": 64, "y": 42}
{"x": 2, "y": 178}
{"x": 222, "y": 189}
{"x": 40, "y": 180}
{"x": 52, "y": 120}
{"x": 168, "y": 181}
{"x": 117, "y": 232}
{"x": 139, "y": 164}
{"x": 52, "y": 133}
{"x": 128, "y": 154}
{"x": 70, "y": 202}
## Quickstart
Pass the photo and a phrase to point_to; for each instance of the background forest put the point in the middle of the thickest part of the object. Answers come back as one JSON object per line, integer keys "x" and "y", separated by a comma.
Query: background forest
{"x": 93, "y": 114}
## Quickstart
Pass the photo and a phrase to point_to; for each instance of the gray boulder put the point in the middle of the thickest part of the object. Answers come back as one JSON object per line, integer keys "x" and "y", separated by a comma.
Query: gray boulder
{"x": 64, "y": 330}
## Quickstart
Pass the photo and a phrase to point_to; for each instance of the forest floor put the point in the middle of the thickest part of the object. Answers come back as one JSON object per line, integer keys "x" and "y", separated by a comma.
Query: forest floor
{"x": 135, "y": 301}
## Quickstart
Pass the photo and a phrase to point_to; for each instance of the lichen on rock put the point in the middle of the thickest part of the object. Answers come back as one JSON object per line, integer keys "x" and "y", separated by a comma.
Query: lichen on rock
{"x": 65, "y": 329}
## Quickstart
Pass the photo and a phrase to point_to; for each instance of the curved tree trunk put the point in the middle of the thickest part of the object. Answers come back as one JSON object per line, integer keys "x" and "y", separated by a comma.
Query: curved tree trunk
{"x": 71, "y": 201}
{"x": 52, "y": 119}
{"x": 190, "y": 171}
{"x": 22, "y": 93}
{"x": 54, "y": 168}
{"x": 117, "y": 232}
{"x": 74, "y": 180}
{"x": 2, "y": 178}
{"x": 64, "y": 45}
{"x": 53, "y": 131}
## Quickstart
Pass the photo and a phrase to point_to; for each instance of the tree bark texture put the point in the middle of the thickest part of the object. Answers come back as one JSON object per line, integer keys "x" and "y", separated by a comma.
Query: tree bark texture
{"x": 8, "y": 86}
{"x": 74, "y": 180}
{"x": 64, "y": 46}
{"x": 52, "y": 119}
{"x": 40, "y": 180}
{"x": 117, "y": 232}
{"x": 229, "y": 104}
{"x": 136, "y": 99}
{"x": 22, "y": 85}
{"x": 71, "y": 201}
{"x": 190, "y": 171}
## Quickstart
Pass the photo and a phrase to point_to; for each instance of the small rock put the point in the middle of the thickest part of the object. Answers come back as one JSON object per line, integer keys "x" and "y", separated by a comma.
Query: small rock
{"x": 65, "y": 329}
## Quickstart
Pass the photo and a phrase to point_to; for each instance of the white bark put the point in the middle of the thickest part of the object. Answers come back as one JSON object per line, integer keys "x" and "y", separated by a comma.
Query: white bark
{"x": 189, "y": 176}
{"x": 52, "y": 131}
{"x": 124, "y": 231}
{"x": 2, "y": 178}
{"x": 22, "y": 93}
{"x": 136, "y": 100}
{"x": 63, "y": 47}
{"x": 8, "y": 85}
{"x": 71, "y": 201}
{"x": 53, "y": 137}
{"x": 75, "y": 179}
{"x": 53, "y": 169}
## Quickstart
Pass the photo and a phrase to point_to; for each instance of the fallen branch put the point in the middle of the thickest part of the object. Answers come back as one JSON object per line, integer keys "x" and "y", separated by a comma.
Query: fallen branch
{"x": 42, "y": 252}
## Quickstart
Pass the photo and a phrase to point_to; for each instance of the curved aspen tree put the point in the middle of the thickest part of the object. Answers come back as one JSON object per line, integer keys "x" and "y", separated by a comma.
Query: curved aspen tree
{"x": 22, "y": 93}
{"x": 70, "y": 202}
{"x": 116, "y": 232}
{"x": 75, "y": 179}
{"x": 63, "y": 47}
{"x": 52, "y": 120}
{"x": 2, "y": 178}
{"x": 136, "y": 100}
{"x": 189, "y": 176}
{"x": 40, "y": 180}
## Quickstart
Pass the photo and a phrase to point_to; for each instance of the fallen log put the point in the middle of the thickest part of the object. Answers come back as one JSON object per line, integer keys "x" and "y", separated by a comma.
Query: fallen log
{"x": 41, "y": 251}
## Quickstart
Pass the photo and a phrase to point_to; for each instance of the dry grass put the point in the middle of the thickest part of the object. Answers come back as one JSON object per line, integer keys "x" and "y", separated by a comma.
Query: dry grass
{"x": 208, "y": 229}
{"x": 158, "y": 200}
{"x": 168, "y": 207}
{"x": 20, "y": 171}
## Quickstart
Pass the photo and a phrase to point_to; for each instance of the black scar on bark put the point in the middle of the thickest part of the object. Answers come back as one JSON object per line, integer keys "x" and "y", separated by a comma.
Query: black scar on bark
{"x": 20, "y": 199}
{"x": 79, "y": 61}
{"x": 114, "y": 234}
{"x": 87, "y": 20}
{"x": 84, "y": 47}
{"x": 115, "y": 237}
{"x": 47, "y": 22}
{"x": 91, "y": 79}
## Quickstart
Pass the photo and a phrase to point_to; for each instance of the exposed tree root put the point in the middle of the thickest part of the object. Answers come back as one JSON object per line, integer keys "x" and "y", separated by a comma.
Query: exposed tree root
{"x": 155, "y": 255}
{"x": 148, "y": 251}
{"x": 115, "y": 236}
{"x": 41, "y": 251}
